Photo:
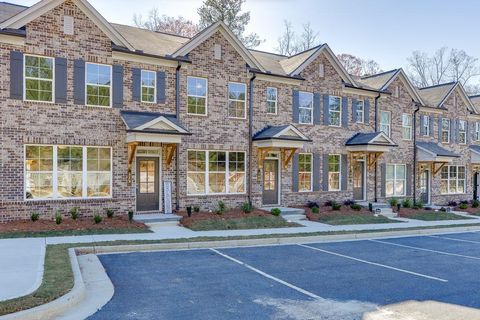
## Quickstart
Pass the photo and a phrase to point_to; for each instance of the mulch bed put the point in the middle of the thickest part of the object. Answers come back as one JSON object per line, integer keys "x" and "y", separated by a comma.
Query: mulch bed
{"x": 470, "y": 210}
{"x": 230, "y": 214}
{"x": 327, "y": 210}
{"x": 68, "y": 224}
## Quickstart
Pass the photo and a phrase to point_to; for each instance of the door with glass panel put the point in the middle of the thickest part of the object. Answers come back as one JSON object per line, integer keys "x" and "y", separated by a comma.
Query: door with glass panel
{"x": 359, "y": 180}
{"x": 148, "y": 193}
{"x": 270, "y": 182}
{"x": 425, "y": 187}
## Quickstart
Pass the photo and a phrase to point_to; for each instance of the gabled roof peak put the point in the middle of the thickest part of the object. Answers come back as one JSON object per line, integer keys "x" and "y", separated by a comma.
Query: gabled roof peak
{"x": 439, "y": 85}
{"x": 380, "y": 74}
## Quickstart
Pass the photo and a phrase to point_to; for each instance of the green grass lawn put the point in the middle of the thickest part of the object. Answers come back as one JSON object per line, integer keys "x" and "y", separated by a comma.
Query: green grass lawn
{"x": 253, "y": 222}
{"x": 435, "y": 216}
{"x": 62, "y": 233}
{"x": 345, "y": 219}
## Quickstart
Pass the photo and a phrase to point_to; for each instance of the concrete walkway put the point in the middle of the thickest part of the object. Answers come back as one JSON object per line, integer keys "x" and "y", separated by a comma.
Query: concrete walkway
{"x": 21, "y": 260}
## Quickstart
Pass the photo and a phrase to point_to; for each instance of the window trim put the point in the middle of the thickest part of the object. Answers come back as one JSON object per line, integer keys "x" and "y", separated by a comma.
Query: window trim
{"x": 362, "y": 119}
{"x": 448, "y": 131}
{"x": 339, "y": 112}
{"x": 111, "y": 85}
{"x": 25, "y": 78}
{"x": 395, "y": 165}
{"x": 227, "y": 173}
{"x": 339, "y": 172}
{"x": 310, "y": 172}
{"x": 464, "y": 131}
{"x": 389, "y": 124}
{"x": 154, "y": 87}
{"x": 206, "y": 97}
{"x": 456, "y": 180}
{"x": 404, "y": 116}
{"x": 300, "y": 107}
{"x": 244, "y": 104}
{"x": 55, "y": 173}
{"x": 276, "y": 101}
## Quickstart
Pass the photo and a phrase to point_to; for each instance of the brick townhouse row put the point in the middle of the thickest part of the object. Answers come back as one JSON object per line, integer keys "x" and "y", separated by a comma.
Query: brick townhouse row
{"x": 100, "y": 115}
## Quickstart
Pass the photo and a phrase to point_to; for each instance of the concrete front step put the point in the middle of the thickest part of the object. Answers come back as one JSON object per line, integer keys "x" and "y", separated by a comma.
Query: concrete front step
{"x": 289, "y": 213}
{"x": 156, "y": 217}
{"x": 388, "y": 212}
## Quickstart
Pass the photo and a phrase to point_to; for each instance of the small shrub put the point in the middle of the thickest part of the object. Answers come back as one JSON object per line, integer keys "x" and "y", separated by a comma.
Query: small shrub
{"x": 247, "y": 207}
{"x": 312, "y": 204}
{"x": 393, "y": 202}
{"x": 452, "y": 203}
{"x": 34, "y": 216}
{"x": 336, "y": 206}
{"x": 97, "y": 218}
{"x": 348, "y": 202}
{"x": 329, "y": 203}
{"x": 196, "y": 209}
{"x": 315, "y": 210}
{"x": 443, "y": 209}
{"x": 418, "y": 205}
{"x": 110, "y": 213}
{"x": 464, "y": 202}
{"x": 407, "y": 203}
{"x": 356, "y": 207}
{"x": 276, "y": 212}
{"x": 221, "y": 208}
{"x": 74, "y": 213}
{"x": 58, "y": 217}
{"x": 130, "y": 215}
{"x": 463, "y": 206}
{"x": 475, "y": 203}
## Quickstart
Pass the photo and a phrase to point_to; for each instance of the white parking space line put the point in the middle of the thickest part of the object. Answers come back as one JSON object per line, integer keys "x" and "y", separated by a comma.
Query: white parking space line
{"x": 266, "y": 275}
{"x": 375, "y": 264}
{"x": 455, "y": 239}
{"x": 428, "y": 250}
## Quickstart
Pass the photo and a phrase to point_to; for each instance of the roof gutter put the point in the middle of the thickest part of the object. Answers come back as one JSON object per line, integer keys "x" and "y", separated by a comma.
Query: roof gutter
{"x": 348, "y": 85}
{"x": 256, "y": 71}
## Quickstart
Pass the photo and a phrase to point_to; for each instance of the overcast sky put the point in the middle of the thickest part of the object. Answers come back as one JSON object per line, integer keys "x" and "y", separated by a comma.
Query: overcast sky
{"x": 386, "y": 31}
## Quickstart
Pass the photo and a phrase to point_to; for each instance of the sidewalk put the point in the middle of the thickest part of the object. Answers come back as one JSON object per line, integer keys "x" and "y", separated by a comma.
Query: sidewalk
{"x": 21, "y": 260}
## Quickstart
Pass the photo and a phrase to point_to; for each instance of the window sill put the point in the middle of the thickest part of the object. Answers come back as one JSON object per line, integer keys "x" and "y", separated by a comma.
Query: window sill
{"x": 67, "y": 199}
{"x": 197, "y": 115}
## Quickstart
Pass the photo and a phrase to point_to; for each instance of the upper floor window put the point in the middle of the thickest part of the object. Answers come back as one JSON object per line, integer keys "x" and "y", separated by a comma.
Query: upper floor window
{"x": 305, "y": 107}
{"x": 477, "y": 131}
{"x": 385, "y": 122}
{"x": 395, "y": 180}
{"x": 305, "y": 172}
{"x": 426, "y": 125}
{"x": 237, "y": 101}
{"x": 462, "y": 131}
{"x": 445, "y": 130}
{"x": 334, "y": 172}
{"x": 197, "y": 95}
{"x": 38, "y": 76}
{"x": 99, "y": 85}
{"x": 360, "y": 107}
{"x": 149, "y": 79}
{"x": 272, "y": 100}
{"x": 335, "y": 111}
{"x": 407, "y": 126}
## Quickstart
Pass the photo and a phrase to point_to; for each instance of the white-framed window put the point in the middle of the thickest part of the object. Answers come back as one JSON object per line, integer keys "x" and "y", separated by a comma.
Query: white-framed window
{"x": 98, "y": 85}
{"x": 452, "y": 180}
{"x": 334, "y": 172}
{"x": 66, "y": 172}
{"x": 445, "y": 130}
{"x": 462, "y": 131}
{"x": 360, "y": 108}
{"x": 407, "y": 126}
{"x": 335, "y": 111}
{"x": 149, "y": 86}
{"x": 395, "y": 180}
{"x": 237, "y": 100}
{"x": 305, "y": 168}
{"x": 426, "y": 125}
{"x": 215, "y": 172}
{"x": 197, "y": 89}
{"x": 272, "y": 100}
{"x": 38, "y": 78}
{"x": 477, "y": 131}
{"x": 305, "y": 107}
{"x": 386, "y": 122}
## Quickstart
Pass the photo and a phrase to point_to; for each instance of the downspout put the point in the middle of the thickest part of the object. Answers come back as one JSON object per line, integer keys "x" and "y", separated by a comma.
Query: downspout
{"x": 376, "y": 165}
{"x": 250, "y": 142}
{"x": 177, "y": 153}
{"x": 414, "y": 169}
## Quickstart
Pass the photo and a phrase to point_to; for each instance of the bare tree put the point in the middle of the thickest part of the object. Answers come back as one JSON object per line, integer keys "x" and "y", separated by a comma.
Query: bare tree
{"x": 287, "y": 43}
{"x": 370, "y": 67}
{"x": 308, "y": 39}
{"x": 230, "y": 12}
{"x": 175, "y": 25}
{"x": 357, "y": 66}
{"x": 463, "y": 67}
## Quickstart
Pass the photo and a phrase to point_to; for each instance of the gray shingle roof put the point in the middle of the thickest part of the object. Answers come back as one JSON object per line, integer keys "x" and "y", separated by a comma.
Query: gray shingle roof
{"x": 436, "y": 149}
{"x": 434, "y": 95}
{"x": 270, "y": 132}
{"x": 377, "y": 81}
{"x": 8, "y": 10}
{"x": 361, "y": 138}
{"x": 134, "y": 119}
{"x": 475, "y": 148}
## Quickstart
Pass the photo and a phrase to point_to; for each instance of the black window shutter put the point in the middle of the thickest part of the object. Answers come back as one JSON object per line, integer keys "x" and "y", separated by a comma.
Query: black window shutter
{"x": 383, "y": 176}
{"x": 117, "y": 86}
{"x": 467, "y": 132}
{"x": 316, "y": 108}
{"x": 16, "y": 75}
{"x": 440, "y": 129}
{"x": 344, "y": 172}
{"x": 316, "y": 171}
{"x": 295, "y": 104}
{"x": 161, "y": 87}
{"x": 325, "y": 172}
{"x": 453, "y": 131}
{"x": 367, "y": 111}
{"x": 136, "y": 84}
{"x": 295, "y": 173}
{"x": 79, "y": 81}
{"x": 344, "y": 112}
{"x": 422, "y": 126}
{"x": 60, "y": 80}
{"x": 409, "y": 179}
{"x": 432, "y": 120}
{"x": 326, "y": 113}
{"x": 354, "y": 110}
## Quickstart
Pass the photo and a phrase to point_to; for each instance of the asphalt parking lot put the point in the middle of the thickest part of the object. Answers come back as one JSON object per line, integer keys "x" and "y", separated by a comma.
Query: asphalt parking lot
{"x": 340, "y": 280}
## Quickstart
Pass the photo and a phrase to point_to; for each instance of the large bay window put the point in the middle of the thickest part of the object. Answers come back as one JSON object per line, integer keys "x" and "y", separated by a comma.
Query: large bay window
{"x": 395, "y": 180}
{"x": 65, "y": 172}
{"x": 215, "y": 172}
{"x": 305, "y": 169}
{"x": 38, "y": 76}
{"x": 452, "y": 180}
